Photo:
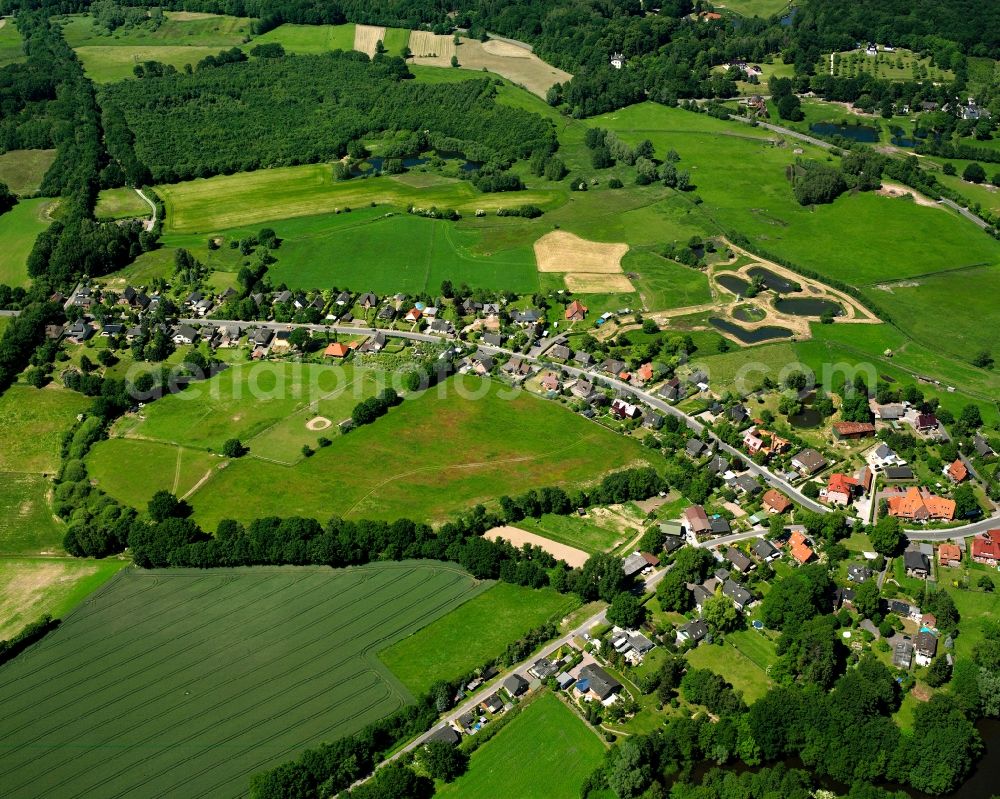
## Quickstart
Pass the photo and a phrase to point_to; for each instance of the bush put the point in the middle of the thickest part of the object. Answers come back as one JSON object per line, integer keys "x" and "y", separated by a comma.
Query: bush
{"x": 234, "y": 448}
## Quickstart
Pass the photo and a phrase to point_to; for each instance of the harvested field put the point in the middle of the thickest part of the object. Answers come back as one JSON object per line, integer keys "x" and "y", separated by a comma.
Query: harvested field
{"x": 590, "y": 283}
{"x": 560, "y": 251}
{"x": 573, "y": 556}
{"x": 428, "y": 47}
{"x": 366, "y": 37}
{"x": 185, "y": 682}
{"x": 515, "y": 63}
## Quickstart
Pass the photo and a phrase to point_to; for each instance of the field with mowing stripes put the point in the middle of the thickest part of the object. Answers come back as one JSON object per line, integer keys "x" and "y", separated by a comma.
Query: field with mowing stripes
{"x": 183, "y": 683}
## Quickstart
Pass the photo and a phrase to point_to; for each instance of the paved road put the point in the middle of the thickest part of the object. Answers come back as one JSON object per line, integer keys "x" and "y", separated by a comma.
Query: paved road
{"x": 10, "y": 313}
{"x": 644, "y": 396}
{"x": 787, "y": 132}
{"x": 964, "y": 212}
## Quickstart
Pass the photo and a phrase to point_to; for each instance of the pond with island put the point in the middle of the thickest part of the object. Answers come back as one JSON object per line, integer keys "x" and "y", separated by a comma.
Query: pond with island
{"x": 774, "y": 281}
{"x": 374, "y": 164}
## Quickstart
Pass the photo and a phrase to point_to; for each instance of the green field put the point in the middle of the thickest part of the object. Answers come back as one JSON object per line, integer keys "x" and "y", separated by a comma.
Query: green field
{"x": 179, "y": 28}
{"x": 195, "y": 679}
{"x": 23, "y": 170}
{"x": 10, "y": 43}
{"x": 19, "y": 228}
{"x": 395, "y": 467}
{"x": 248, "y": 198}
{"x": 666, "y": 284}
{"x": 310, "y": 39}
{"x": 31, "y": 587}
{"x": 976, "y": 609}
{"x": 743, "y": 660}
{"x": 755, "y": 8}
{"x": 473, "y": 634}
{"x": 573, "y": 531}
{"x": 110, "y": 63}
{"x": 27, "y": 526}
{"x": 120, "y": 204}
{"x": 545, "y": 753}
{"x": 33, "y": 421}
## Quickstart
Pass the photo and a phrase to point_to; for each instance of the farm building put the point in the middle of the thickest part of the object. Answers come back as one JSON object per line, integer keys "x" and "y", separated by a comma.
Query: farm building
{"x": 845, "y": 431}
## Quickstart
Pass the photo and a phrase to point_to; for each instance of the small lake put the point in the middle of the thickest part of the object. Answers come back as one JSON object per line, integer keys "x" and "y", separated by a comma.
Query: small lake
{"x": 748, "y": 313}
{"x": 774, "y": 282}
{"x": 807, "y": 306}
{"x": 766, "y": 333}
{"x": 860, "y": 133}
{"x": 789, "y": 18}
{"x": 737, "y": 285}
{"x": 807, "y": 420}
{"x": 375, "y": 163}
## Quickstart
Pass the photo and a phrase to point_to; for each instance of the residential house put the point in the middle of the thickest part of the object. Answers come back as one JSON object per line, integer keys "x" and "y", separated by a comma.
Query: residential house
{"x": 640, "y": 643}
{"x": 766, "y": 551}
{"x": 491, "y": 309}
{"x": 845, "y": 431}
{"x": 890, "y": 412}
{"x": 184, "y": 334}
{"x": 634, "y": 564}
{"x": 671, "y": 390}
{"x": 746, "y": 484}
{"x": 445, "y": 734}
{"x": 740, "y": 562}
{"x": 857, "y": 573}
{"x": 583, "y": 358}
{"x": 625, "y": 410}
{"x": 671, "y": 543}
{"x": 441, "y": 326}
{"x": 841, "y": 489}
{"x": 576, "y": 311}
{"x": 808, "y": 462}
{"x": 386, "y": 314}
{"x": 950, "y": 555}
{"x": 515, "y": 685}
{"x": 600, "y": 683}
{"x": 583, "y": 390}
{"x": 696, "y": 520}
{"x": 919, "y": 505}
{"x": 956, "y": 471}
{"x": 700, "y": 594}
{"x": 926, "y": 646}
{"x": 550, "y": 381}
{"x": 982, "y": 447}
{"x": 720, "y": 525}
{"x": 543, "y": 668}
{"x": 560, "y": 351}
{"x": 926, "y": 422}
{"x": 986, "y": 548}
{"x": 482, "y": 363}
{"x": 896, "y": 474}
{"x": 564, "y": 680}
{"x": 612, "y": 366}
{"x": 718, "y": 465}
{"x": 644, "y": 374}
{"x": 528, "y": 317}
{"x": 336, "y": 350}
{"x": 917, "y": 564}
{"x": 695, "y": 448}
{"x": 742, "y": 598}
{"x": 693, "y": 631}
{"x": 79, "y": 331}
{"x": 261, "y": 337}
{"x": 902, "y": 654}
{"x": 493, "y": 339}
{"x": 413, "y": 315}
{"x": 882, "y": 458}
{"x": 367, "y": 301}
{"x": 110, "y": 329}
{"x": 282, "y": 298}
{"x": 757, "y": 440}
{"x": 776, "y": 502}
{"x": 738, "y": 414}
{"x": 518, "y": 367}
{"x": 376, "y": 343}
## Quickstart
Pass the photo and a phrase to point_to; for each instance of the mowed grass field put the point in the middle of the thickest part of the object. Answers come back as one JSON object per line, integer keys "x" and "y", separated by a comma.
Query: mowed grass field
{"x": 19, "y": 228}
{"x": 23, "y": 170}
{"x": 435, "y": 454}
{"x": 33, "y": 421}
{"x": 120, "y": 204}
{"x": 248, "y": 198}
{"x": 743, "y": 660}
{"x": 110, "y": 63}
{"x": 31, "y": 587}
{"x": 10, "y": 43}
{"x": 310, "y": 39}
{"x": 471, "y": 635}
{"x": 545, "y": 753}
{"x": 195, "y": 680}
{"x": 27, "y": 525}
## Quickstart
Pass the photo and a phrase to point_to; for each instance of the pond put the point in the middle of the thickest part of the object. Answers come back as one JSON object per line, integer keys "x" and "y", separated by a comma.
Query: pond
{"x": 861, "y": 133}
{"x": 373, "y": 164}
{"x": 748, "y": 313}
{"x": 766, "y": 333}
{"x": 736, "y": 285}
{"x": 806, "y": 420}
{"x": 455, "y": 155}
{"x": 807, "y": 306}
{"x": 774, "y": 282}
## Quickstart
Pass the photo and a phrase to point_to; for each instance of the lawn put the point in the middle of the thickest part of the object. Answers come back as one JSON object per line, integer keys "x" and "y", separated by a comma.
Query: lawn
{"x": 23, "y": 170}
{"x": 177, "y": 469}
{"x": 198, "y": 679}
{"x": 31, "y": 587}
{"x": 10, "y": 43}
{"x": 370, "y": 250}
{"x": 666, "y": 284}
{"x": 574, "y": 531}
{"x": 19, "y": 228}
{"x": 309, "y": 39}
{"x": 33, "y": 421}
{"x": 756, "y": 8}
{"x": 545, "y": 753}
{"x": 121, "y": 204}
{"x": 248, "y": 198}
{"x": 27, "y": 526}
{"x": 740, "y": 661}
{"x": 402, "y": 465}
{"x": 976, "y": 608}
{"x": 473, "y": 634}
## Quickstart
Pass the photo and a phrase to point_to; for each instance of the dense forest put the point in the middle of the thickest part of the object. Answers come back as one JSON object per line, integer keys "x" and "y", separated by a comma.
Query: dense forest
{"x": 304, "y": 109}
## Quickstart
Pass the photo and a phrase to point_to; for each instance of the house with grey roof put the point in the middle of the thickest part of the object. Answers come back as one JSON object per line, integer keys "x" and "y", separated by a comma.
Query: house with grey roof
{"x": 600, "y": 683}
{"x": 515, "y": 685}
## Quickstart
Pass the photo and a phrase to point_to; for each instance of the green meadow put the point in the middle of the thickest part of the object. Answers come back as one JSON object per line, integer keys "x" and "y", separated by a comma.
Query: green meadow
{"x": 11, "y": 51}
{"x": 19, "y": 228}
{"x": 33, "y": 421}
{"x": 121, "y": 203}
{"x": 309, "y": 39}
{"x": 23, "y": 170}
{"x": 545, "y": 753}
{"x": 397, "y": 466}
{"x": 473, "y": 634}
{"x": 756, "y": 8}
{"x": 179, "y": 28}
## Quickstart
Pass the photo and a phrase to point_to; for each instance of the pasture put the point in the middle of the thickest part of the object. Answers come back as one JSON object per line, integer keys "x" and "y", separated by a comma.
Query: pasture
{"x": 663, "y": 283}
{"x": 545, "y": 753}
{"x": 10, "y": 43}
{"x": 197, "y": 679}
{"x": 179, "y": 28}
{"x": 497, "y": 443}
{"x": 109, "y": 63}
{"x": 33, "y": 421}
{"x": 23, "y": 170}
{"x": 19, "y": 228}
{"x": 309, "y": 39}
{"x": 31, "y": 587}
{"x": 27, "y": 526}
{"x": 177, "y": 469}
{"x": 473, "y": 634}
{"x": 213, "y": 204}
{"x": 121, "y": 204}
{"x": 742, "y": 661}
